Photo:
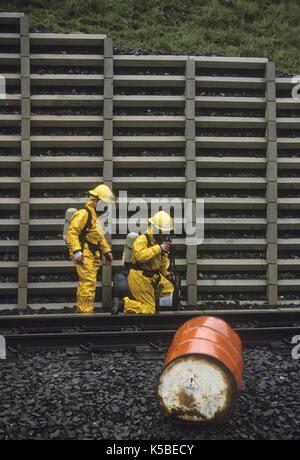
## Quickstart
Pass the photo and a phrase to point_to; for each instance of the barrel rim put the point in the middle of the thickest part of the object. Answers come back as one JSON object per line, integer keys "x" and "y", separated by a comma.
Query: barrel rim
{"x": 216, "y": 344}
{"x": 237, "y": 363}
{"x": 228, "y": 411}
{"x": 204, "y": 355}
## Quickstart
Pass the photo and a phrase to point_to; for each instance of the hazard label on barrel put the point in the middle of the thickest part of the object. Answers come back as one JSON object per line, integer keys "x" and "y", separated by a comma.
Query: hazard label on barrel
{"x": 190, "y": 386}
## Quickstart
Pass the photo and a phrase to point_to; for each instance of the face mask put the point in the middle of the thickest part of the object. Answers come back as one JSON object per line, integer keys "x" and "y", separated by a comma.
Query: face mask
{"x": 103, "y": 215}
{"x": 103, "y": 212}
{"x": 101, "y": 208}
{"x": 161, "y": 237}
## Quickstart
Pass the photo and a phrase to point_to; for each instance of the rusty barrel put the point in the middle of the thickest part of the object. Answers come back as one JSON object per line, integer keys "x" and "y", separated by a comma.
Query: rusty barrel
{"x": 202, "y": 374}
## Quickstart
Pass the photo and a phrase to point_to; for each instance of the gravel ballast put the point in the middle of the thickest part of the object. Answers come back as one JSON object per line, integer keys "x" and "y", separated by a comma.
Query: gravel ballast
{"x": 112, "y": 396}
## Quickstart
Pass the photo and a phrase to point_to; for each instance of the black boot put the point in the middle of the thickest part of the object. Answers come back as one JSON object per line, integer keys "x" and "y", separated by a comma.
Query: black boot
{"x": 117, "y": 306}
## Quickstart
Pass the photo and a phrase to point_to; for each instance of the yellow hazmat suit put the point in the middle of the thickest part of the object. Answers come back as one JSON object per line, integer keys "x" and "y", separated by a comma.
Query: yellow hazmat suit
{"x": 87, "y": 271}
{"x": 147, "y": 287}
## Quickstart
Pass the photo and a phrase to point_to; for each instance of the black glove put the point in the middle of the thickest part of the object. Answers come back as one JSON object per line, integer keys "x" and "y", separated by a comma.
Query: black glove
{"x": 172, "y": 278}
{"x": 109, "y": 257}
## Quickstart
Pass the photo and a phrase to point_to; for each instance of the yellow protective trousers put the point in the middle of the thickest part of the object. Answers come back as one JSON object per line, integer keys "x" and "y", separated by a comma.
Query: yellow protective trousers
{"x": 145, "y": 292}
{"x": 87, "y": 273}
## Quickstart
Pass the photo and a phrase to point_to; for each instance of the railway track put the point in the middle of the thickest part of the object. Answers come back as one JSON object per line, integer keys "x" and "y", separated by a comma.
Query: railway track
{"x": 154, "y": 333}
{"x": 222, "y": 129}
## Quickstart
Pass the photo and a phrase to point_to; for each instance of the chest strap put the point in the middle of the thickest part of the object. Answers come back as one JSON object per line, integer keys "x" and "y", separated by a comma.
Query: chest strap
{"x": 92, "y": 247}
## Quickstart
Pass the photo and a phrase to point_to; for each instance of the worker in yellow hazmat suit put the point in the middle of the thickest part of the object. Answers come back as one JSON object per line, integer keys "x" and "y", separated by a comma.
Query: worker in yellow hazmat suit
{"x": 86, "y": 251}
{"x": 149, "y": 278}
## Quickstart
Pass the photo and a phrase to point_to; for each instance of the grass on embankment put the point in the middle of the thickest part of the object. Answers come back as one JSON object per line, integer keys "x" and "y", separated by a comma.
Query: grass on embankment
{"x": 257, "y": 28}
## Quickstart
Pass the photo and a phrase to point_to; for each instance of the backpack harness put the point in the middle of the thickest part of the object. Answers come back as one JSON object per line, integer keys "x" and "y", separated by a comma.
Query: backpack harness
{"x": 138, "y": 266}
{"x": 82, "y": 237}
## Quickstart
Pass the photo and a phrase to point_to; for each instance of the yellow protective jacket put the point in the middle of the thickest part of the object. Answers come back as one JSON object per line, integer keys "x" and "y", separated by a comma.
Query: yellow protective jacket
{"x": 149, "y": 258}
{"x": 78, "y": 221}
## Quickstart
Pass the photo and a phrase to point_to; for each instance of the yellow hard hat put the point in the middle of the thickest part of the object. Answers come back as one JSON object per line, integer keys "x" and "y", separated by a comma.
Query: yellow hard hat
{"x": 104, "y": 193}
{"x": 162, "y": 221}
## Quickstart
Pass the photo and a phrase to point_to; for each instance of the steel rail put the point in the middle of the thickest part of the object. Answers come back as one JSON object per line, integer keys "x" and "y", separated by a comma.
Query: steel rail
{"x": 163, "y": 320}
{"x": 109, "y": 340}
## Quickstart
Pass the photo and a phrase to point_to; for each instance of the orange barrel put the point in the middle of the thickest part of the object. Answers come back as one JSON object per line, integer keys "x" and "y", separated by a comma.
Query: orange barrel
{"x": 202, "y": 373}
